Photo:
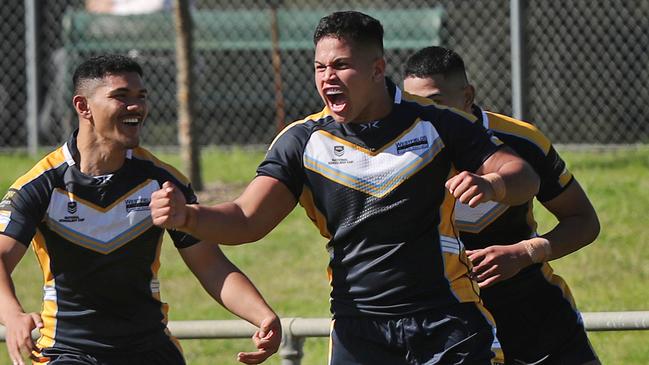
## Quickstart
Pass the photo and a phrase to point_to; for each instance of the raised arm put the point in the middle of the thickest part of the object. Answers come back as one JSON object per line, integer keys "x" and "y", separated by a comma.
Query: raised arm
{"x": 19, "y": 325}
{"x": 264, "y": 203}
{"x": 504, "y": 177}
{"x": 230, "y": 287}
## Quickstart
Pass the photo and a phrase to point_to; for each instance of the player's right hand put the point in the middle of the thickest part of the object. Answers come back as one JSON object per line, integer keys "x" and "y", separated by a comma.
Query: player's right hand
{"x": 19, "y": 335}
{"x": 470, "y": 189}
{"x": 267, "y": 340}
{"x": 168, "y": 208}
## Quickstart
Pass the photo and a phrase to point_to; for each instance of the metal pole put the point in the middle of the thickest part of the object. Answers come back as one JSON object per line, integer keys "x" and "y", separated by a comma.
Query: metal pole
{"x": 280, "y": 113}
{"x": 517, "y": 35}
{"x": 32, "y": 30}
{"x": 296, "y": 330}
{"x": 291, "y": 351}
{"x": 616, "y": 321}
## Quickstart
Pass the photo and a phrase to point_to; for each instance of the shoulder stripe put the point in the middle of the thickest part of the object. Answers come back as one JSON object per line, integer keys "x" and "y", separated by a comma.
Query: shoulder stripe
{"x": 316, "y": 116}
{"x": 429, "y": 102}
{"x": 508, "y": 125}
{"x": 50, "y": 162}
{"x": 143, "y": 154}
{"x": 417, "y": 99}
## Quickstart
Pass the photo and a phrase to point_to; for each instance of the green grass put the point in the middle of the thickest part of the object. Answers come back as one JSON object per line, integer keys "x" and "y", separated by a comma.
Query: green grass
{"x": 289, "y": 265}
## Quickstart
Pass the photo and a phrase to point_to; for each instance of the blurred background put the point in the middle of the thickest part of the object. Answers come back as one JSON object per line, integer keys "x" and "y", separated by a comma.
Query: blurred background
{"x": 580, "y": 71}
{"x": 584, "y": 65}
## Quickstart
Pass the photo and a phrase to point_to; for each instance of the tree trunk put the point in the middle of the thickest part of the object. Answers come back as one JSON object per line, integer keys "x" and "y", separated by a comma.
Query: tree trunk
{"x": 189, "y": 148}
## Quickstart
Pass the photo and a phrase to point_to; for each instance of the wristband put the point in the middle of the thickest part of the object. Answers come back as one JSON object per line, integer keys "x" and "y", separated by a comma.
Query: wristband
{"x": 538, "y": 249}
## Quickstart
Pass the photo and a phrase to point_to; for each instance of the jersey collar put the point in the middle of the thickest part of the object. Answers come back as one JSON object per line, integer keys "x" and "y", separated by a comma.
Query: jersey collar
{"x": 70, "y": 149}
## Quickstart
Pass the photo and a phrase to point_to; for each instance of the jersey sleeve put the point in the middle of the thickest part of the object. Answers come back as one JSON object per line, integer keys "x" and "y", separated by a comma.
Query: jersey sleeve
{"x": 21, "y": 210}
{"x": 536, "y": 149}
{"x": 468, "y": 142}
{"x": 179, "y": 238}
{"x": 284, "y": 159}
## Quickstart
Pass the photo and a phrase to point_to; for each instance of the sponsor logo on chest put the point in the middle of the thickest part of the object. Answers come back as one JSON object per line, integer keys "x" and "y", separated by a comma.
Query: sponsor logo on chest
{"x": 411, "y": 144}
{"x": 137, "y": 205}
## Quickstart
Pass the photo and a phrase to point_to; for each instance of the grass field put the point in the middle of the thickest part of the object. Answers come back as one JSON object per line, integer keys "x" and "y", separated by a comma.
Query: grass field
{"x": 289, "y": 265}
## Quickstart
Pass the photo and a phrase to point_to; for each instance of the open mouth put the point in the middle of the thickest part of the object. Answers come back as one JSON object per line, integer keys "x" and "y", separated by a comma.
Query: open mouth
{"x": 132, "y": 121}
{"x": 337, "y": 99}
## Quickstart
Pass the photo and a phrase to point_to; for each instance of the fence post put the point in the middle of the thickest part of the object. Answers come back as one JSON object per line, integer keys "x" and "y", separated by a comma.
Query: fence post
{"x": 291, "y": 351}
{"x": 32, "y": 31}
{"x": 518, "y": 18}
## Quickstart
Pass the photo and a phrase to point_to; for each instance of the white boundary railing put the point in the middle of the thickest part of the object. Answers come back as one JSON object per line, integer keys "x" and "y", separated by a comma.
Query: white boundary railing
{"x": 296, "y": 330}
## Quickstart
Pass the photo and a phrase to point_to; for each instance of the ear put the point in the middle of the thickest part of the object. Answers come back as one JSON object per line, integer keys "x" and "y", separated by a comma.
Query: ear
{"x": 378, "y": 72}
{"x": 80, "y": 104}
{"x": 469, "y": 96}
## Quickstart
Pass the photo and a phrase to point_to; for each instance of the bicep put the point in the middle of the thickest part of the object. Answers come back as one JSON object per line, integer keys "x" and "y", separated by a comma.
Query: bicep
{"x": 265, "y": 202}
{"x": 499, "y": 158}
{"x": 573, "y": 201}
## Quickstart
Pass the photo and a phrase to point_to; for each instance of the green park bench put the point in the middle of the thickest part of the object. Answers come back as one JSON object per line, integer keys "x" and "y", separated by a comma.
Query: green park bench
{"x": 236, "y": 29}
{"x": 236, "y": 39}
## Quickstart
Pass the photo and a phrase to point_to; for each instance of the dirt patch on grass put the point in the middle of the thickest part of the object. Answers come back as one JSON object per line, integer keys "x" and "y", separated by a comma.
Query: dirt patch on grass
{"x": 217, "y": 192}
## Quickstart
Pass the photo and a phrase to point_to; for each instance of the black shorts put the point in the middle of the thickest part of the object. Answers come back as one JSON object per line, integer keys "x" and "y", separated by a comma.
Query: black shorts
{"x": 537, "y": 322}
{"x": 458, "y": 334}
{"x": 166, "y": 353}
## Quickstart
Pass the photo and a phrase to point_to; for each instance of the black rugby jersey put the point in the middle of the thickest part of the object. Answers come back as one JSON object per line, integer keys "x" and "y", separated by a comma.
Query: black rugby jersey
{"x": 97, "y": 247}
{"x": 493, "y": 223}
{"x": 376, "y": 190}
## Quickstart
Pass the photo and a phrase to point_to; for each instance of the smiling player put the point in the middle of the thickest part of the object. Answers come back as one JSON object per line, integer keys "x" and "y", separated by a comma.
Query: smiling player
{"x": 85, "y": 208}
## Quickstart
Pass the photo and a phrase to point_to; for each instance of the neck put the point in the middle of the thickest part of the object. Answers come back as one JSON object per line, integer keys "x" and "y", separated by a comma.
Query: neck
{"x": 98, "y": 157}
{"x": 380, "y": 106}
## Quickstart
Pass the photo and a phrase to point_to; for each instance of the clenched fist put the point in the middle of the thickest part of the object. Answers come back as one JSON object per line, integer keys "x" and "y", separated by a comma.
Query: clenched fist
{"x": 474, "y": 189}
{"x": 168, "y": 208}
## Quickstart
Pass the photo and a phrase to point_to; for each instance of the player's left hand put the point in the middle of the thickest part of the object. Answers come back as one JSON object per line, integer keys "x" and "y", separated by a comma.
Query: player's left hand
{"x": 470, "y": 188}
{"x": 497, "y": 263}
{"x": 267, "y": 340}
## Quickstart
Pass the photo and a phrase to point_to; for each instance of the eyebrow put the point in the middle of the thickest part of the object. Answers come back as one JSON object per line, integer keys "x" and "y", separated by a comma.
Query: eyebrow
{"x": 336, "y": 60}
{"x": 125, "y": 89}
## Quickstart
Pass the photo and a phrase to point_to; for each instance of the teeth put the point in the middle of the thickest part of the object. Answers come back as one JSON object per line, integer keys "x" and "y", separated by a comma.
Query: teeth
{"x": 333, "y": 92}
{"x": 131, "y": 121}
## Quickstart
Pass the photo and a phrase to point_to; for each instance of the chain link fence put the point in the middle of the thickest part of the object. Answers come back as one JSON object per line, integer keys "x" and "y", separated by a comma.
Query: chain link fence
{"x": 585, "y": 70}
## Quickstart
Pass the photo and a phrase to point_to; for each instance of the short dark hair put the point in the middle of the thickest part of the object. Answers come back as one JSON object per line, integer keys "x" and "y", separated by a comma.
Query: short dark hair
{"x": 434, "y": 60}
{"x": 353, "y": 26}
{"x": 100, "y": 66}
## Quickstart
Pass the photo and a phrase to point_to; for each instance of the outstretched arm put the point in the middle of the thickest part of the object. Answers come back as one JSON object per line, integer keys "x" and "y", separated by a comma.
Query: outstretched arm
{"x": 19, "y": 325}
{"x": 264, "y": 203}
{"x": 578, "y": 226}
{"x": 230, "y": 287}
{"x": 504, "y": 177}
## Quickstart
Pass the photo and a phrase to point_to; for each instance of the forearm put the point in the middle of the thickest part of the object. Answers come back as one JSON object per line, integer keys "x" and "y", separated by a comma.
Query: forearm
{"x": 9, "y": 304}
{"x": 578, "y": 224}
{"x": 570, "y": 235}
{"x": 242, "y": 298}
{"x": 224, "y": 282}
{"x": 514, "y": 183}
{"x": 264, "y": 203}
{"x": 224, "y": 223}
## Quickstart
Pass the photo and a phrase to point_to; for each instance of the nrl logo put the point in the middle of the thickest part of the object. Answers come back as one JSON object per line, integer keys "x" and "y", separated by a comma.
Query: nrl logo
{"x": 339, "y": 150}
{"x": 72, "y": 207}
